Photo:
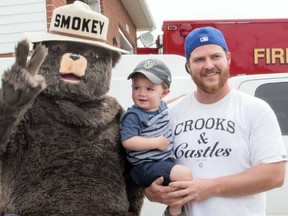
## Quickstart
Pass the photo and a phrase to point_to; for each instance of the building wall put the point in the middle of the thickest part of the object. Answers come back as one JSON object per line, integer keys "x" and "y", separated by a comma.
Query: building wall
{"x": 16, "y": 17}
{"x": 118, "y": 18}
{"x": 50, "y": 6}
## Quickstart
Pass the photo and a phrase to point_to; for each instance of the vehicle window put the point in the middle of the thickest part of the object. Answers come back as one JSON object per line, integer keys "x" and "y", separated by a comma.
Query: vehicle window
{"x": 276, "y": 95}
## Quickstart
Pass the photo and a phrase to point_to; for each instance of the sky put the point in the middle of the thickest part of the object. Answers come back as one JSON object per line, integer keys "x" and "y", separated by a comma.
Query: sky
{"x": 215, "y": 9}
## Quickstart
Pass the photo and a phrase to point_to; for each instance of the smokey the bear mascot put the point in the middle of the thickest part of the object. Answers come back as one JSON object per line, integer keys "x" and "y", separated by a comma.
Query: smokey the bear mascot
{"x": 59, "y": 132}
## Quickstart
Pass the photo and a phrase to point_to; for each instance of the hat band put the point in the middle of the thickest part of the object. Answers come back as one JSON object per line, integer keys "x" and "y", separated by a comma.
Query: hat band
{"x": 76, "y": 35}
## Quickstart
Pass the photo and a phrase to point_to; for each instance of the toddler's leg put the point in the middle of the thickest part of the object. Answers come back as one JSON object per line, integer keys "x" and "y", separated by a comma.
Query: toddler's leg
{"x": 179, "y": 173}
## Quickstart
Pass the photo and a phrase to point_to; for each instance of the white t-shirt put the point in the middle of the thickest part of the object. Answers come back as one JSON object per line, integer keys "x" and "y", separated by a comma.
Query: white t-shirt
{"x": 226, "y": 138}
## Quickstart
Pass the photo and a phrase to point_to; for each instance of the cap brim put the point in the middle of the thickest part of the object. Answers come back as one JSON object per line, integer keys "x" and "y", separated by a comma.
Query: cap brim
{"x": 154, "y": 79}
{"x": 35, "y": 37}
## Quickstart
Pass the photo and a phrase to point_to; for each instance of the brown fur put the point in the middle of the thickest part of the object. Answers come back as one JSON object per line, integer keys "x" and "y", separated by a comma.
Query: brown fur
{"x": 59, "y": 145}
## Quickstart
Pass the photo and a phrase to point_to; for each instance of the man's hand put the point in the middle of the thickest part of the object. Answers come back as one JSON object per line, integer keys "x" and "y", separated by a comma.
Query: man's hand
{"x": 180, "y": 192}
{"x": 257, "y": 179}
{"x": 189, "y": 191}
{"x": 156, "y": 192}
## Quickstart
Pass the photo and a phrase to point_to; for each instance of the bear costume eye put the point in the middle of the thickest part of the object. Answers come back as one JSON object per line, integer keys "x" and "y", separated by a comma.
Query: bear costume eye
{"x": 58, "y": 48}
{"x": 91, "y": 54}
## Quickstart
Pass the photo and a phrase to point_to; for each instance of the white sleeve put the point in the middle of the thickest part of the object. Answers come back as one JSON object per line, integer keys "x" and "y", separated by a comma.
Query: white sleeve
{"x": 266, "y": 140}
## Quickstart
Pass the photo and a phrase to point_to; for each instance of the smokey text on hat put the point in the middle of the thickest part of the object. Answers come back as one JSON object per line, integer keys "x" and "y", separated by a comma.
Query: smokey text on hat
{"x": 78, "y": 23}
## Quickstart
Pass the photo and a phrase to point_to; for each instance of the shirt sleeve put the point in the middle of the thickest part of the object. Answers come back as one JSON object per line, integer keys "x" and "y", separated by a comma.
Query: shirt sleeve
{"x": 266, "y": 140}
{"x": 130, "y": 126}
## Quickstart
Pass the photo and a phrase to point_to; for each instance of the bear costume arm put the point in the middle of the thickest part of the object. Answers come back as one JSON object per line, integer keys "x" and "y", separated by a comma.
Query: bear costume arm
{"x": 20, "y": 86}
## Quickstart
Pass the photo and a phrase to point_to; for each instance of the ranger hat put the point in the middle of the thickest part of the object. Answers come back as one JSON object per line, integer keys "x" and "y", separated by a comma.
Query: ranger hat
{"x": 76, "y": 22}
{"x": 155, "y": 70}
{"x": 203, "y": 36}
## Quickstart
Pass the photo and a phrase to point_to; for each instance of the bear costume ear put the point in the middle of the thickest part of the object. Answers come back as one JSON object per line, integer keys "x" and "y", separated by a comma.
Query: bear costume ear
{"x": 115, "y": 58}
{"x": 72, "y": 1}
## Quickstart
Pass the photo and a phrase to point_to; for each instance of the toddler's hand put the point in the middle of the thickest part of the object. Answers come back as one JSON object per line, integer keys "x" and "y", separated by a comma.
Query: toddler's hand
{"x": 163, "y": 142}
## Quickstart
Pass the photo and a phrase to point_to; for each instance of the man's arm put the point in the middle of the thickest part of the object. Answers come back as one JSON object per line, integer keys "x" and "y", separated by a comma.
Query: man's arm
{"x": 257, "y": 179}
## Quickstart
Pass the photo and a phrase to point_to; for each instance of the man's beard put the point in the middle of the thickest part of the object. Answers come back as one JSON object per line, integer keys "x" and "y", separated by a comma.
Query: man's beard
{"x": 211, "y": 89}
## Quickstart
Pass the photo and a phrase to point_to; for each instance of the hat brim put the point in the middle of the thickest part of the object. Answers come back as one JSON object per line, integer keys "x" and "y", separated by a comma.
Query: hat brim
{"x": 35, "y": 37}
{"x": 154, "y": 79}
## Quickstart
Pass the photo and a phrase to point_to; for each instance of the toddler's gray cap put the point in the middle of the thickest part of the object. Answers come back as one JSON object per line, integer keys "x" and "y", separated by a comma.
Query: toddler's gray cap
{"x": 155, "y": 70}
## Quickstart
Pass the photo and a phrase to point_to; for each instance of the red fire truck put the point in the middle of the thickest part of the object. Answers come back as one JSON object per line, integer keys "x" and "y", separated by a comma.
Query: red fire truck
{"x": 257, "y": 46}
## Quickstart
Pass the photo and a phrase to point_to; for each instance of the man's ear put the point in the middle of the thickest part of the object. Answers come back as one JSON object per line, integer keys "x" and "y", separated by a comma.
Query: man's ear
{"x": 229, "y": 58}
{"x": 187, "y": 67}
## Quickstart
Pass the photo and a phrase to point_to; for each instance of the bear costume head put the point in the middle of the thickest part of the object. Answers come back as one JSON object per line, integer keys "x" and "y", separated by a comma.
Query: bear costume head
{"x": 60, "y": 147}
{"x": 77, "y": 37}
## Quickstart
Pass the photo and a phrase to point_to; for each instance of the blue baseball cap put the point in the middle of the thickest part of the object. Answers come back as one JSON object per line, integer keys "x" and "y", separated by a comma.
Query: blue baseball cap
{"x": 203, "y": 36}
